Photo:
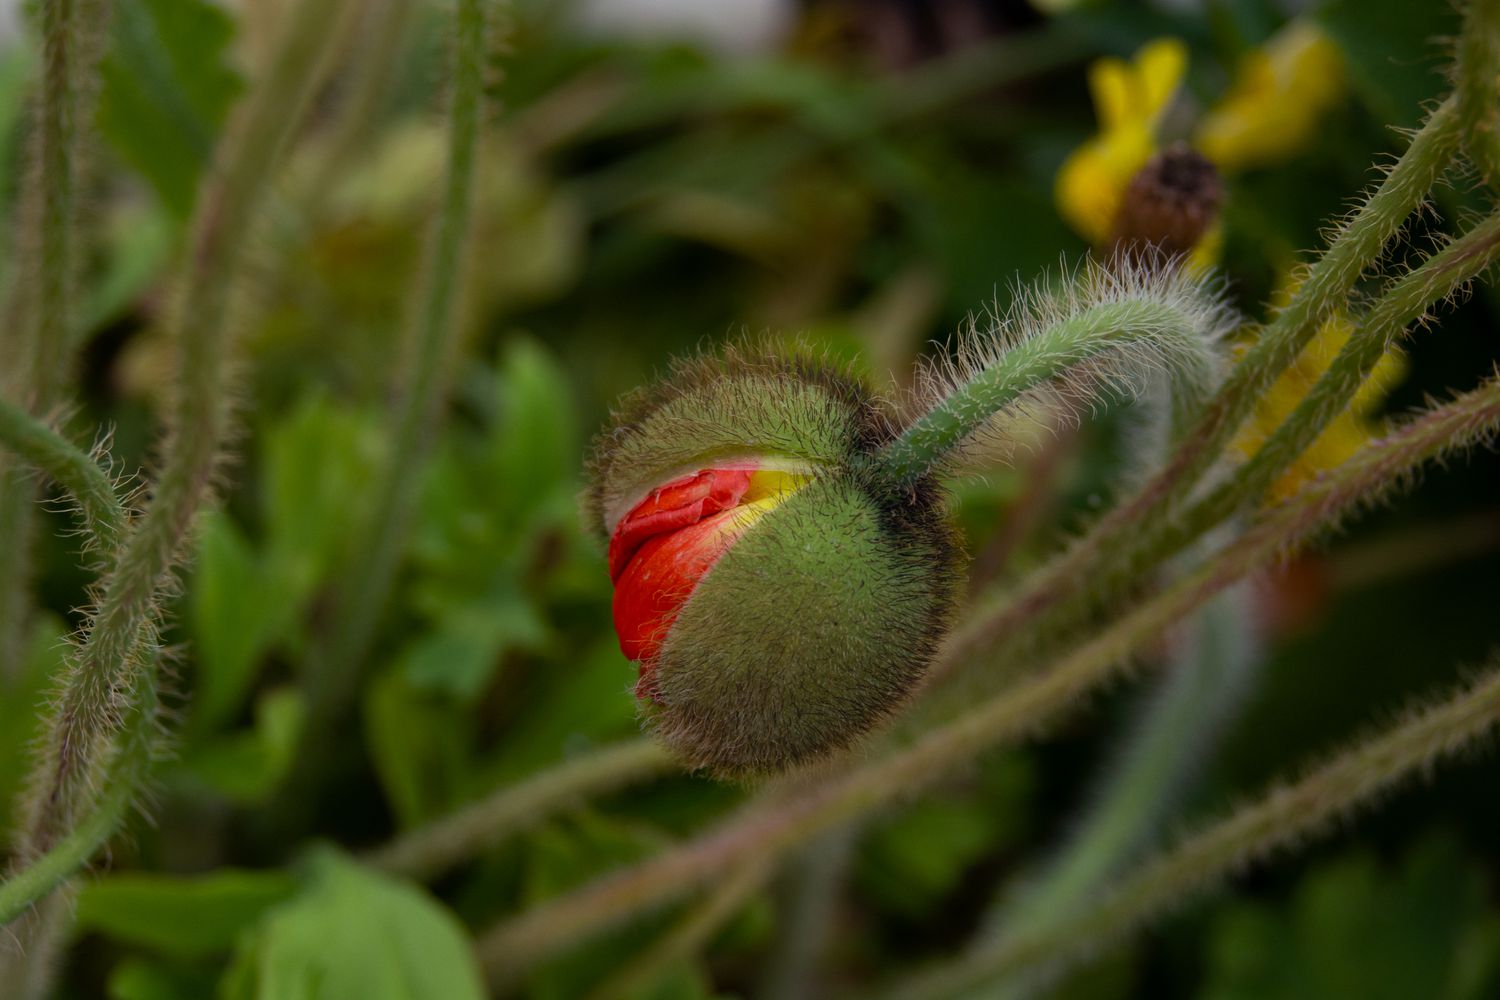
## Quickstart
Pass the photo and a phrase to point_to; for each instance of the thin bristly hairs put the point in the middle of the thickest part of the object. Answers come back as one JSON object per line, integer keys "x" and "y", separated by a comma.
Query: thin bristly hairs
{"x": 1188, "y": 357}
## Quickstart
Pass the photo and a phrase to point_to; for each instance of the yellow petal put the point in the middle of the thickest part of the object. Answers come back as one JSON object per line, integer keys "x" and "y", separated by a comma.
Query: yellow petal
{"x": 1280, "y": 95}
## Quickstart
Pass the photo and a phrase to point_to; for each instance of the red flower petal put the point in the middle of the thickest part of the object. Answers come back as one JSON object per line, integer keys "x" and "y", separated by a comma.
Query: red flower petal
{"x": 658, "y": 581}
{"x": 675, "y": 505}
{"x": 662, "y": 548}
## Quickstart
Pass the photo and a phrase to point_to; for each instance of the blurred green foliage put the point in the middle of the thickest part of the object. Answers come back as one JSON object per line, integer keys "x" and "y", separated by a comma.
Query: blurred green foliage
{"x": 638, "y": 201}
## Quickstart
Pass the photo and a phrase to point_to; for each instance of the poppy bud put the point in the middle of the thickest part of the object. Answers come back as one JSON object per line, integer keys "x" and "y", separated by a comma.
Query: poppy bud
{"x": 779, "y": 597}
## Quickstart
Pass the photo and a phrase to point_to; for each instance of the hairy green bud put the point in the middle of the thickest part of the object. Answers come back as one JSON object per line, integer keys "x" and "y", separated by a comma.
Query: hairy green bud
{"x": 780, "y": 595}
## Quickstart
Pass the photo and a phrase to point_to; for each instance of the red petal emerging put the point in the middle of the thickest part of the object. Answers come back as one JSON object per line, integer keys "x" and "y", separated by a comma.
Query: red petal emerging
{"x": 658, "y": 581}
{"x": 662, "y": 548}
{"x": 676, "y": 505}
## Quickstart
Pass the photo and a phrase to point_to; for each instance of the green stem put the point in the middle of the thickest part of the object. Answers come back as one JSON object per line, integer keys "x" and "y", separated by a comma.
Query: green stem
{"x": 430, "y": 850}
{"x": 768, "y": 831}
{"x": 1478, "y": 80}
{"x": 69, "y": 855}
{"x": 1326, "y": 289}
{"x": 430, "y": 344}
{"x": 1156, "y": 326}
{"x": 43, "y": 295}
{"x": 1283, "y": 817}
{"x": 116, "y": 648}
{"x": 1441, "y": 276}
{"x": 691, "y": 932}
{"x": 72, "y": 468}
{"x": 805, "y": 915}
{"x": 1170, "y": 741}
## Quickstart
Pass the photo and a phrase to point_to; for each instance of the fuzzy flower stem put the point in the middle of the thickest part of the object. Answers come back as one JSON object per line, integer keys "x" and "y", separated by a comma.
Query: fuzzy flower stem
{"x": 430, "y": 850}
{"x": 1206, "y": 677}
{"x": 431, "y": 342}
{"x": 1139, "y": 324}
{"x": 687, "y": 936}
{"x": 1282, "y": 817}
{"x": 68, "y": 856}
{"x": 43, "y": 294}
{"x": 1329, "y": 281}
{"x": 103, "y": 516}
{"x": 79, "y": 736}
{"x": 1407, "y": 300}
{"x": 769, "y": 831}
{"x": 1478, "y": 79}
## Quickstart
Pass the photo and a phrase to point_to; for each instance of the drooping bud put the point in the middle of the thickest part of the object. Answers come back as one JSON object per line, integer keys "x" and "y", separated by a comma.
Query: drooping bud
{"x": 778, "y": 596}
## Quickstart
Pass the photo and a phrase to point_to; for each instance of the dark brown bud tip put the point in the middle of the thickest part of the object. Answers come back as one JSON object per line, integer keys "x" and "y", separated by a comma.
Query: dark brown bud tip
{"x": 1170, "y": 204}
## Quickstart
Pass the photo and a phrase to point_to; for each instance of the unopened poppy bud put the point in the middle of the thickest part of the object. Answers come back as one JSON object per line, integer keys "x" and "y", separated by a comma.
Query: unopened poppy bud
{"x": 778, "y": 597}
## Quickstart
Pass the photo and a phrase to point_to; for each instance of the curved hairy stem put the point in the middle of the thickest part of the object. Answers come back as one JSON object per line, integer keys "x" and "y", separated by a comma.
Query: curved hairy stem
{"x": 1442, "y": 275}
{"x": 769, "y": 831}
{"x": 1478, "y": 80}
{"x": 80, "y": 735}
{"x": 1142, "y": 324}
{"x": 1284, "y": 816}
{"x": 430, "y": 850}
{"x": 1205, "y": 677}
{"x": 429, "y": 347}
{"x": 103, "y": 514}
{"x": 687, "y": 936}
{"x": 69, "y": 855}
{"x": 1329, "y": 280}
{"x": 42, "y": 297}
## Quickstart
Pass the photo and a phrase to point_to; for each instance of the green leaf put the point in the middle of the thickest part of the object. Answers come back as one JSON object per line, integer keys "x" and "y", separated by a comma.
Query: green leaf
{"x": 320, "y": 460}
{"x": 535, "y": 443}
{"x": 1353, "y": 929}
{"x": 459, "y": 657}
{"x": 248, "y": 766}
{"x": 138, "y": 979}
{"x": 181, "y": 916}
{"x": 234, "y": 615}
{"x": 355, "y": 935}
{"x": 417, "y": 746}
{"x": 166, "y": 90}
{"x": 576, "y": 703}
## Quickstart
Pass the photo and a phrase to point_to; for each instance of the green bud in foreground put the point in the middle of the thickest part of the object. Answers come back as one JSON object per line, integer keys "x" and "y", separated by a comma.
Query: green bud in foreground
{"x": 780, "y": 596}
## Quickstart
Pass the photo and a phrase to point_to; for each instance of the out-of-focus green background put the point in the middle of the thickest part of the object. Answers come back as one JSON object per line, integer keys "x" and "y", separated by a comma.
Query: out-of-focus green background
{"x": 865, "y": 176}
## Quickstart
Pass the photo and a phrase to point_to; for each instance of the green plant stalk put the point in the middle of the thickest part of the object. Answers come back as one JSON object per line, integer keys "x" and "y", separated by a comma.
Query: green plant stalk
{"x": 1442, "y": 275}
{"x": 1358, "y": 244}
{"x": 78, "y": 738}
{"x": 1102, "y": 329}
{"x": 102, "y": 513}
{"x": 431, "y": 342}
{"x": 687, "y": 936}
{"x": 104, "y": 518}
{"x": 430, "y": 850}
{"x": 1282, "y": 817}
{"x": 1478, "y": 82}
{"x": 68, "y": 856}
{"x": 43, "y": 296}
{"x": 1167, "y": 746}
{"x": 810, "y": 887}
{"x": 769, "y": 831}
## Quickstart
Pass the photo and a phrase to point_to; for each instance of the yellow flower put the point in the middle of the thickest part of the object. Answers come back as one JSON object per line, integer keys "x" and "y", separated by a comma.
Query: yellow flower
{"x": 1273, "y": 109}
{"x": 1280, "y": 95}
{"x": 1129, "y": 99}
{"x": 1347, "y": 433}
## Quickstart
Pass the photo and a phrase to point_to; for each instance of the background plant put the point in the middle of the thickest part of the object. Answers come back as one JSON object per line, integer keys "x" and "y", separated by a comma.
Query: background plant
{"x": 379, "y": 625}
